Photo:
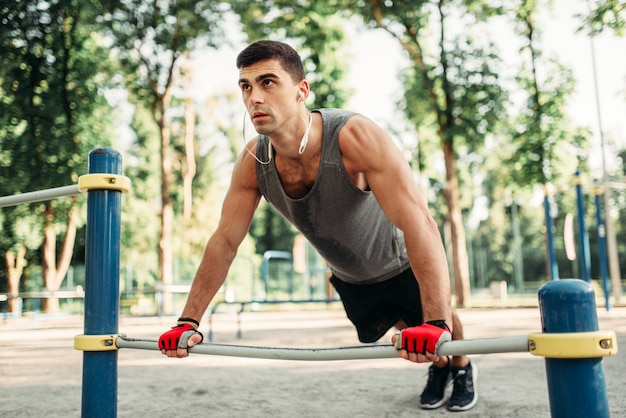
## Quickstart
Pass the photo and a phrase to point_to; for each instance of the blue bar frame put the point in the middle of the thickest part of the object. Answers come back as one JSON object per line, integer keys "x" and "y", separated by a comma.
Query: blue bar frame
{"x": 576, "y": 387}
{"x": 102, "y": 272}
{"x": 553, "y": 265}
{"x": 601, "y": 232}
{"x": 583, "y": 237}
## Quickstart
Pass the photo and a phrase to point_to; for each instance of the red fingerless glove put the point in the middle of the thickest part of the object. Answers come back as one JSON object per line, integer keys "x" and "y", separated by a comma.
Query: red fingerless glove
{"x": 177, "y": 337}
{"x": 423, "y": 338}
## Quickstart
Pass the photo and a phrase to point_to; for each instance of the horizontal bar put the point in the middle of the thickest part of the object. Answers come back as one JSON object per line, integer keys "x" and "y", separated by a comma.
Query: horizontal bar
{"x": 60, "y": 294}
{"x": 39, "y": 196}
{"x": 614, "y": 185}
{"x": 450, "y": 348}
{"x": 484, "y": 346}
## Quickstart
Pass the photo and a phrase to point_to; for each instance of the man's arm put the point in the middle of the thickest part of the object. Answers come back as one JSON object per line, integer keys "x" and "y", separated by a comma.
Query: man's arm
{"x": 367, "y": 150}
{"x": 242, "y": 199}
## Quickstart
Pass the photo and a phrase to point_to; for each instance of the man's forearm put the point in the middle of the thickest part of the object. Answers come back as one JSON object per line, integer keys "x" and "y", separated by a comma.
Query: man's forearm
{"x": 209, "y": 278}
{"x": 430, "y": 267}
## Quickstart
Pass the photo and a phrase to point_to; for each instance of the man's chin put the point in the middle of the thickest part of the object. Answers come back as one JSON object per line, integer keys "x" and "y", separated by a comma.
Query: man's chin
{"x": 261, "y": 128}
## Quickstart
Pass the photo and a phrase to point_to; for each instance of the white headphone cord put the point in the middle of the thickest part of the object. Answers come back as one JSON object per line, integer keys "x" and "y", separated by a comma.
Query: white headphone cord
{"x": 305, "y": 137}
{"x": 303, "y": 142}
{"x": 269, "y": 143}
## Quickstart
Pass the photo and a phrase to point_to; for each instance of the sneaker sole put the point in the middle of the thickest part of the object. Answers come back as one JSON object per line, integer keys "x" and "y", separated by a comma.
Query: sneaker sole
{"x": 433, "y": 405}
{"x": 456, "y": 408}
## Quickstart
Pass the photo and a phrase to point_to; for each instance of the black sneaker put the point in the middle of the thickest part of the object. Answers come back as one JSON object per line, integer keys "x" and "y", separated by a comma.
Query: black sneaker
{"x": 433, "y": 395}
{"x": 464, "y": 395}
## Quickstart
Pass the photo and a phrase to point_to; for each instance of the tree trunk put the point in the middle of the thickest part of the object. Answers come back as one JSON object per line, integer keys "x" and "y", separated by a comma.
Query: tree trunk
{"x": 190, "y": 158}
{"x": 451, "y": 191}
{"x": 15, "y": 267}
{"x": 54, "y": 272}
{"x": 167, "y": 212}
{"x": 457, "y": 229}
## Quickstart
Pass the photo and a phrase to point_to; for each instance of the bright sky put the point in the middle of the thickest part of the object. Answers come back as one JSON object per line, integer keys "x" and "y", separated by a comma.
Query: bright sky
{"x": 376, "y": 59}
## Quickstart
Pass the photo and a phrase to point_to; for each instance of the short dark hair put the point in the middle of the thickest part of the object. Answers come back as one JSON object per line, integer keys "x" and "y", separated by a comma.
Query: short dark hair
{"x": 265, "y": 50}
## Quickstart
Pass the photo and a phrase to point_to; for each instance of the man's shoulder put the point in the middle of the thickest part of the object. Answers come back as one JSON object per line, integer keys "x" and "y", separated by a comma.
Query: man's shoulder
{"x": 335, "y": 112}
{"x": 335, "y": 119}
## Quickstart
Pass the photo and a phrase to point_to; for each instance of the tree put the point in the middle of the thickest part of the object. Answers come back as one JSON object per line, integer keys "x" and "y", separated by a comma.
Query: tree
{"x": 545, "y": 150}
{"x": 150, "y": 39}
{"x": 51, "y": 60}
{"x": 608, "y": 14}
{"x": 455, "y": 80}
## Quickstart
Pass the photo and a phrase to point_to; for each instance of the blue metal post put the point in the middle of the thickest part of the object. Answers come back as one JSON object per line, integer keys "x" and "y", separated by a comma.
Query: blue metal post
{"x": 102, "y": 272}
{"x": 552, "y": 263}
{"x": 583, "y": 237}
{"x": 576, "y": 387}
{"x": 601, "y": 232}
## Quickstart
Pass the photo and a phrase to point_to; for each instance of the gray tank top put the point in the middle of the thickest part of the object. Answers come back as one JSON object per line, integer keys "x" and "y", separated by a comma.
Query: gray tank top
{"x": 344, "y": 223}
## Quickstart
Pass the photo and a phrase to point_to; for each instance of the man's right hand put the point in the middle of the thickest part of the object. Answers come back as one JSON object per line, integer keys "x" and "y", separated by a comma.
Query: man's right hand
{"x": 419, "y": 344}
{"x": 177, "y": 341}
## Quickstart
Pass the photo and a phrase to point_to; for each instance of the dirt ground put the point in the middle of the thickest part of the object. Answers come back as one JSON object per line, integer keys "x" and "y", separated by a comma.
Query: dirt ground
{"x": 41, "y": 373}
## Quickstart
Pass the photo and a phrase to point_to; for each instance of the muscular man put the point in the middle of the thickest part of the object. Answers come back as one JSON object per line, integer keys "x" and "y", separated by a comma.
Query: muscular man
{"x": 341, "y": 180}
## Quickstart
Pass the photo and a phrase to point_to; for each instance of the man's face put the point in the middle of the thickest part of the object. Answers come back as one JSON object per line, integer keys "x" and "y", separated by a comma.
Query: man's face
{"x": 269, "y": 94}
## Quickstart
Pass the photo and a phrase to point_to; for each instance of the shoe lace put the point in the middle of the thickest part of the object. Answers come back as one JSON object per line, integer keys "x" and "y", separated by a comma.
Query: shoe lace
{"x": 461, "y": 383}
{"x": 435, "y": 376}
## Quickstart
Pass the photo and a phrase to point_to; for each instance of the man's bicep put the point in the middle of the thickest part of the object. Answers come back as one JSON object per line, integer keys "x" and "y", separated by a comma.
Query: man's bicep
{"x": 369, "y": 151}
{"x": 388, "y": 174}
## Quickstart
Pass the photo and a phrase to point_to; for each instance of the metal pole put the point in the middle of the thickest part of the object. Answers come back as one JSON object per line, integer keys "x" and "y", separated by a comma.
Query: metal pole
{"x": 518, "y": 262}
{"x": 601, "y": 232}
{"x": 576, "y": 387}
{"x": 39, "y": 196}
{"x": 553, "y": 266}
{"x": 102, "y": 270}
{"x": 583, "y": 238}
{"x": 451, "y": 348}
{"x": 611, "y": 240}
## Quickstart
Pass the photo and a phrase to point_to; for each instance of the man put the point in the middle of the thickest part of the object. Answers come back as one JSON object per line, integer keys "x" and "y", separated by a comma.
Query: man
{"x": 341, "y": 180}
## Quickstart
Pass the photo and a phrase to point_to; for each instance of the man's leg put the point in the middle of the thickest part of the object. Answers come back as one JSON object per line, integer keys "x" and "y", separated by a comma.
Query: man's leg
{"x": 464, "y": 373}
{"x": 457, "y": 334}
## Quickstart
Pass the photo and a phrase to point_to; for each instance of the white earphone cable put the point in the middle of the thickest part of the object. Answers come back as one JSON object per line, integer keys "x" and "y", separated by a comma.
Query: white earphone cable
{"x": 305, "y": 137}
{"x": 269, "y": 143}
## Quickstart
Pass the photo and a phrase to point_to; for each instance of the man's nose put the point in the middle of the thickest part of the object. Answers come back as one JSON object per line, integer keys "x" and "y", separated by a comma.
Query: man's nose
{"x": 255, "y": 97}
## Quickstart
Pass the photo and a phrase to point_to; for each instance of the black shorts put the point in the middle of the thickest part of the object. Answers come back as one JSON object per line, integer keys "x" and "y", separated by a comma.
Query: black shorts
{"x": 375, "y": 308}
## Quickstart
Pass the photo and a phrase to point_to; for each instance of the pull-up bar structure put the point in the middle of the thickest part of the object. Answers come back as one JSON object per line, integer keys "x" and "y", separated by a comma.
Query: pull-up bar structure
{"x": 576, "y": 386}
{"x": 105, "y": 185}
{"x": 575, "y": 345}
{"x": 571, "y": 343}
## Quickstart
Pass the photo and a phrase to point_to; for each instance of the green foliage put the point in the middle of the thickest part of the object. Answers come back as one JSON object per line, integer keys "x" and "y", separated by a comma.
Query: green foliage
{"x": 316, "y": 28}
{"x": 51, "y": 108}
{"x": 149, "y": 38}
{"x": 271, "y": 231}
{"x": 606, "y": 14}
{"x": 545, "y": 147}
